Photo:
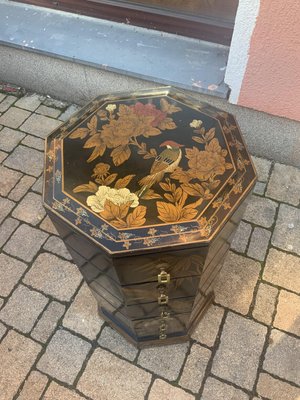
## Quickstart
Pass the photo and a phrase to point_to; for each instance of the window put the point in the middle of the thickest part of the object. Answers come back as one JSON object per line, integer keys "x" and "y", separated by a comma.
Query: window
{"x": 210, "y": 20}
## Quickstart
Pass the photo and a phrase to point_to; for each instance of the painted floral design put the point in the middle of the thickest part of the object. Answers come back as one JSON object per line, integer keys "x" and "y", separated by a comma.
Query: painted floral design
{"x": 116, "y": 196}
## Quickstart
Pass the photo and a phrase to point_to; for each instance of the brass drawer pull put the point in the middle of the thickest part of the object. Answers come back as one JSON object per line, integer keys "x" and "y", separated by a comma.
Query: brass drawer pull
{"x": 163, "y": 299}
{"x": 163, "y": 278}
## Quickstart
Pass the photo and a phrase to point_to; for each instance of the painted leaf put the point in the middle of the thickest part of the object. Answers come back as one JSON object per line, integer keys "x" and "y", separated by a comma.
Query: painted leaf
{"x": 150, "y": 194}
{"x": 199, "y": 139}
{"x": 119, "y": 223}
{"x": 169, "y": 197}
{"x": 181, "y": 176}
{"x": 92, "y": 125}
{"x": 165, "y": 186}
{"x": 123, "y": 182}
{"x": 110, "y": 179}
{"x": 167, "y": 107}
{"x": 168, "y": 212}
{"x": 120, "y": 154}
{"x": 97, "y": 152}
{"x": 94, "y": 141}
{"x": 90, "y": 187}
{"x": 111, "y": 211}
{"x": 188, "y": 213}
{"x": 123, "y": 209}
{"x": 150, "y": 130}
{"x": 177, "y": 194}
{"x": 228, "y": 166}
{"x": 210, "y": 134}
{"x": 213, "y": 146}
{"x": 167, "y": 123}
{"x": 137, "y": 217}
{"x": 193, "y": 189}
{"x": 79, "y": 133}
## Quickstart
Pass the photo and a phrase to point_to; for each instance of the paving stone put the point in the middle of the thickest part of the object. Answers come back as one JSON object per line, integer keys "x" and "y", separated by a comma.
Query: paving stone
{"x": 236, "y": 282}
{"x": 82, "y": 316}
{"x": 21, "y": 187}
{"x": 17, "y": 355}
{"x": 39, "y": 125}
{"x": 64, "y": 356}
{"x": 283, "y": 357}
{"x": 29, "y": 161}
{"x": 48, "y": 226}
{"x": 9, "y": 139}
{"x": 288, "y": 312}
{"x": 287, "y": 229}
{"x": 242, "y": 342}
{"x": 241, "y": 237}
{"x": 259, "y": 188}
{"x": 58, "y": 392}
{"x": 163, "y": 390}
{"x": 3, "y": 156}
{"x": 14, "y": 117}
{"x": 107, "y": 377}
{"x": 1, "y": 302}
{"x": 284, "y": 184}
{"x": 38, "y": 186}
{"x": 275, "y": 389}
{"x": 263, "y": 167}
{"x": 25, "y": 242}
{"x": 112, "y": 340}
{"x": 216, "y": 390}
{"x": 30, "y": 101}
{"x": 164, "y": 360}
{"x": 9, "y": 178}
{"x": 5, "y": 208}
{"x": 48, "y": 321}
{"x": 208, "y": 327}
{"x": 30, "y": 209}
{"x": 11, "y": 271}
{"x": 48, "y": 111}
{"x": 57, "y": 246}
{"x": 72, "y": 109}
{"x": 260, "y": 211}
{"x": 259, "y": 244}
{"x": 55, "y": 103}
{"x": 23, "y": 308}
{"x": 35, "y": 142}
{"x": 195, "y": 367}
{"x": 6, "y": 103}
{"x": 2, "y": 330}
{"x": 282, "y": 269}
{"x": 33, "y": 387}
{"x": 265, "y": 303}
{"x": 8, "y": 226}
{"x": 53, "y": 276}
{"x": 2, "y": 96}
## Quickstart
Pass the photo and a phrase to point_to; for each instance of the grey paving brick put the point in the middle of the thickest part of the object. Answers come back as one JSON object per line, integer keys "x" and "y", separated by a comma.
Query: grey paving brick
{"x": 14, "y": 117}
{"x": 165, "y": 361}
{"x": 112, "y": 340}
{"x": 288, "y": 313}
{"x": 55, "y": 103}
{"x": 23, "y": 308}
{"x": 242, "y": 342}
{"x": 283, "y": 357}
{"x": 287, "y": 229}
{"x": 282, "y": 269}
{"x": 48, "y": 321}
{"x": 207, "y": 329}
{"x": 39, "y": 125}
{"x": 57, "y": 246}
{"x": 54, "y": 276}
{"x": 30, "y": 101}
{"x": 11, "y": 271}
{"x": 236, "y": 282}
{"x": 9, "y": 139}
{"x": 58, "y": 392}
{"x": 2, "y": 329}
{"x": 30, "y": 209}
{"x": 259, "y": 244}
{"x": 25, "y": 242}
{"x": 276, "y": 389}
{"x": 48, "y": 111}
{"x": 29, "y": 161}
{"x": 21, "y": 187}
{"x": 259, "y": 188}
{"x": 195, "y": 367}
{"x": 101, "y": 382}
{"x": 284, "y": 184}
{"x": 216, "y": 390}
{"x": 48, "y": 226}
{"x": 38, "y": 186}
{"x": 6, "y": 103}
{"x": 64, "y": 356}
{"x": 35, "y": 142}
{"x": 241, "y": 237}
{"x": 263, "y": 167}
{"x": 163, "y": 390}
{"x": 5, "y": 208}
{"x": 8, "y": 226}
{"x": 1, "y": 302}
{"x": 17, "y": 355}
{"x": 265, "y": 303}
{"x": 260, "y": 211}
{"x": 3, "y": 156}
{"x": 73, "y": 108}
{"x": 9, "y": 179}
{"x": 33, "y": 387}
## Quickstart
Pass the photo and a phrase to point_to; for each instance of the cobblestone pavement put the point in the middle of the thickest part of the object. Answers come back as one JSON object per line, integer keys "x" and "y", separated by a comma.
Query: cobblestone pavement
{"x": 53, "y": 345}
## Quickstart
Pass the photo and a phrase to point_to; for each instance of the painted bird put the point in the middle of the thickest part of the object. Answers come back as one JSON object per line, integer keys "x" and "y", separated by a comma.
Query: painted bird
{"x": 166, "y": 162}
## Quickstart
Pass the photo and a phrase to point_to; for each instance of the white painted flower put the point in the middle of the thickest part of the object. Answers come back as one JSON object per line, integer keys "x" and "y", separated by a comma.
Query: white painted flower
{"x": 116, "y": 196}
{"x": 111, "y": 107}
{"x": 196, "y": 123}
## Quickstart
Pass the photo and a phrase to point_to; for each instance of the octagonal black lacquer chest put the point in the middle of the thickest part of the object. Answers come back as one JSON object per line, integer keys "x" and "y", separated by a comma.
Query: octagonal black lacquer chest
{"x": 146, "y": 190}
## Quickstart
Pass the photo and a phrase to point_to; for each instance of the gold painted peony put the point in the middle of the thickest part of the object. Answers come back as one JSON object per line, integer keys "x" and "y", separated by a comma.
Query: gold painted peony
{"x": 116, "y": 196}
